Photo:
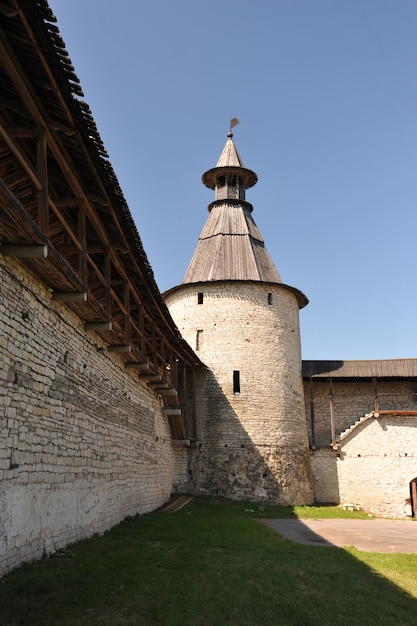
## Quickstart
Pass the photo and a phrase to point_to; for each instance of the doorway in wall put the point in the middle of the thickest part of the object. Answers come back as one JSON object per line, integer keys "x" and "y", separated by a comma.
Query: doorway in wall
{"x": 413, "y": 497}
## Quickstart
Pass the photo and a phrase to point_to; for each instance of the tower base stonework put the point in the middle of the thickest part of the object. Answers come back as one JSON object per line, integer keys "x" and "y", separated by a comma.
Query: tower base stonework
{"x": 251, "y": 444}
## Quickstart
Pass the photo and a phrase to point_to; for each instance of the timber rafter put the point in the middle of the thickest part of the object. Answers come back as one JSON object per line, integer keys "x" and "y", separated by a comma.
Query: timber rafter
{"x": 62, "y": 211}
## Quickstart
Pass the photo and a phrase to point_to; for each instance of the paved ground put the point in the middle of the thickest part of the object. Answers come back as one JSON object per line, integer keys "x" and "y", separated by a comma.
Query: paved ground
{"x": 375, "y": 535}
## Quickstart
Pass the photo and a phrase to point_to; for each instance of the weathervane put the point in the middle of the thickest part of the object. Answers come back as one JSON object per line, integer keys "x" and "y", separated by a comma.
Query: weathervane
{"x": 233, "y": 122}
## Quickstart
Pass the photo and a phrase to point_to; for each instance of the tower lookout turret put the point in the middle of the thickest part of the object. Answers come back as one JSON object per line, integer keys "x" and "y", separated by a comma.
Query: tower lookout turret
{"x": 243, "y": 322}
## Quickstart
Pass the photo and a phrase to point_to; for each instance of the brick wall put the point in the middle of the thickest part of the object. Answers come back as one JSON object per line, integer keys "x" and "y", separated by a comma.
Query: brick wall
{"x": 83, "y": 444}
{"x": 251, "y": 444}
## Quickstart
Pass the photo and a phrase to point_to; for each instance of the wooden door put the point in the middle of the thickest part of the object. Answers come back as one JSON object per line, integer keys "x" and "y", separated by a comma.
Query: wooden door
{"x": 413, "y": 497}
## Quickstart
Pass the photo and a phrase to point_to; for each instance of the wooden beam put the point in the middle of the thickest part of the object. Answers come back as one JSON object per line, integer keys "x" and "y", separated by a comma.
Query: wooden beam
{"x": 69, "y": 296}
{"x": 166, "y": 392}
{"x": 24, "y": 251}
{"x": 136, "y": 365}
{"x": 393, "y": 412}
{"x": 167, "y": 410}
{"x": 17, "y": 153}
{"x": 22, "y": 132}
{"x": 98, "y": 325}
{"x": 122, "y": 349}
{"x": 157, "y": 378}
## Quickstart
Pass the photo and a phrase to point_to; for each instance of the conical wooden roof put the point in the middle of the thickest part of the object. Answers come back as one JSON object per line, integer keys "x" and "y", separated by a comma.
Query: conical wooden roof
{"x": 231, "y": 160}
{"x": 230, "y": 246}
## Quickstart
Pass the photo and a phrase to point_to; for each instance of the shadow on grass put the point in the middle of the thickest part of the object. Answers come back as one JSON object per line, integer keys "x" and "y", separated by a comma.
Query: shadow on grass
{"x": 209, "y": 563}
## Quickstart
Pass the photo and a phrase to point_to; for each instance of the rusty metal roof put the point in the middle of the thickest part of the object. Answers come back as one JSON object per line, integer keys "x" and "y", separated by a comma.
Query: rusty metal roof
{"x": 385, "y": 368}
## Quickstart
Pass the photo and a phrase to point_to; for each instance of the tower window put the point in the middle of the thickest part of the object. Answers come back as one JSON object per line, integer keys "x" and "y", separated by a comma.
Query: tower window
{"x": 198, "y": 340}
{"x": 200, "y": 297}
{"x": 236, "y": 382}
{"x": 269, "y": 298}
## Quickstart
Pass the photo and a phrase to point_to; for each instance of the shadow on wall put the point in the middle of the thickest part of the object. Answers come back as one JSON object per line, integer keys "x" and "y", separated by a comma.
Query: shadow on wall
{"x": 325, "y": 475}
{"x": 227, "y": 461}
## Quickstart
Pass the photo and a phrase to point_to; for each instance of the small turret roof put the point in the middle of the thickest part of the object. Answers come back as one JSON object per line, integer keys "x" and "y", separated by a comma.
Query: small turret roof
{"x": 230, "y": 246}
{"x": 230, "y": 156}
{"x": 229, "y": 162}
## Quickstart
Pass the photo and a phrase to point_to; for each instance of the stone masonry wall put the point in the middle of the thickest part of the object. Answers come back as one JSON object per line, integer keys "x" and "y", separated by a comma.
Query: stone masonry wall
{"x": 252, "y": 444}
{"x": 351, "y": 401}
{"x": 83, "y": 443}
{"x": 372, "y": 469}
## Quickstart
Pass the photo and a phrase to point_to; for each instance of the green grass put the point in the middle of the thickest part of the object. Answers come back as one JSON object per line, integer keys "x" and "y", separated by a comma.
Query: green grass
{"x": 211, "y": 563}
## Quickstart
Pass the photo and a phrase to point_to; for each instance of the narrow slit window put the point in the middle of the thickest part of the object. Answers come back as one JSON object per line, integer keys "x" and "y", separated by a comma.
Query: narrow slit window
{"x": 269, "y": 298}
{"x": 198, "y": 340}
{"x": 236, "y": 382}
{"x": 200, "y": 297}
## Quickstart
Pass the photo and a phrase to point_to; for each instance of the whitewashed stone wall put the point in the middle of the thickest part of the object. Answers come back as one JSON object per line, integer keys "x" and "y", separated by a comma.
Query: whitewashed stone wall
{"x": 351, "y": 401}
{"x": 83, "y": 444}
{"x": 372, "y": 469}
{"x": 251, "y": 445}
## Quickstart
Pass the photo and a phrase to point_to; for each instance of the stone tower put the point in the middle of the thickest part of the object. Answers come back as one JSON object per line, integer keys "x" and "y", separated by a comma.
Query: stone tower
{"x": 243, "y": 322}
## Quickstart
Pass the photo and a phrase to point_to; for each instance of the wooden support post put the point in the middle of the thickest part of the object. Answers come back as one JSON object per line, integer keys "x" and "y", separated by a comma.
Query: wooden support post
{"x": 126, "y": 302}
{"x": 375, "y": 394}
{"x": 196, "y": 429}
{"x": 82, "y": 236}
{"x": 42, "y": 169}
{"x": 332, "y": 428}
{"x": 313, "y": 435}
{"x": 107, "y": 278}
{"x": 142, "y": 330}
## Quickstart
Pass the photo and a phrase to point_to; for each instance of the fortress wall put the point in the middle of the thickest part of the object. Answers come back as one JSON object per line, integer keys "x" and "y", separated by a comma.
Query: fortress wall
{"x": 373, "y": 467}
{"x": 351, "y": 401}
{"x": 252, "y": 444}
{"x": 83, "y": 444}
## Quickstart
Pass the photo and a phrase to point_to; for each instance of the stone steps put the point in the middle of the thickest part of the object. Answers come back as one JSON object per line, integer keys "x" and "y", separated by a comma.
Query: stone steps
{"x": 351, "y": 428}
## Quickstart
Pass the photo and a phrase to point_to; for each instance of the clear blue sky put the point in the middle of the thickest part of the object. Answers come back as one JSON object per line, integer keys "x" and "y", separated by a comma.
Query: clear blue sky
{"x": 326, "y": 93}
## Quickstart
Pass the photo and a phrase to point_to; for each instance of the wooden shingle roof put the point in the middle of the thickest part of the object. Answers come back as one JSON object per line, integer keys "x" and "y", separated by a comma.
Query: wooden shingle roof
{"x": 385, "y": 368}
{"x": 59, "y": 195}
{"x": 231, "y": 246}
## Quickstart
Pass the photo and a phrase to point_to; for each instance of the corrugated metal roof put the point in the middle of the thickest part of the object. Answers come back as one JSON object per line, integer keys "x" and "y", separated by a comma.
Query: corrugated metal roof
{"x": 388, "y": 368}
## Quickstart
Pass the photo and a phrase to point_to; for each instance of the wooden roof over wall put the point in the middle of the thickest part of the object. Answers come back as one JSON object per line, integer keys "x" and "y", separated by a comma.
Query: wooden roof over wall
{"x": 61, "y": 207}
{"x": 385, "y": 368}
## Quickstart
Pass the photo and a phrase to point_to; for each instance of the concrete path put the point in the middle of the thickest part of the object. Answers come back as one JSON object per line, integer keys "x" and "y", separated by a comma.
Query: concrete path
{"x": 375, "y": 535}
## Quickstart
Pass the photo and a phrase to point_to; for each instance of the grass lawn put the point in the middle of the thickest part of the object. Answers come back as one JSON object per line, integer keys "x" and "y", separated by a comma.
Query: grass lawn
{"x": 211, "y": 563}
